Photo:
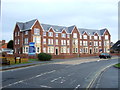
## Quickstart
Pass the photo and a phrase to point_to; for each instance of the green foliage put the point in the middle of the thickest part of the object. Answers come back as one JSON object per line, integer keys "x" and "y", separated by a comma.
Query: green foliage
{"x": 10, "y": 44}
{"x": 44, "y": 57}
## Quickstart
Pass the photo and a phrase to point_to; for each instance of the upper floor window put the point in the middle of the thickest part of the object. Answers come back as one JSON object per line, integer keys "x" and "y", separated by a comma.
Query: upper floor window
{"x": 95, "y": 37}
{"x": 95, "y": 43}
{"x": 18, "y": 41}
{"x": 99, "y": 37}
{"x": 44, "y": 41}
{"x": 44, "y": 33}
{"x": 85, "y": 43}
{"x": 50, "y": 34}
{"x": 56, "y": 41}
{"x": 68, "y": 35}
{"x": 26, "y": 32}
{"x": 63, "y": 42}
{"x": 56, "y": 35}
{"x": 90, "y": 43}
{"x": 50, "y": 41}
{"x": 18, "y": 33}
{"x": 15, "y": 42}
{"x": 63, "y": 35}
{"x": 15, "y": 34}
{"x": 80, "y": 36}
{"x": 68, "y": 42}
{"x": 106, "y": 37}
{"x": 90, "y": 37}
{"x": 80, "y": 43}
{"x": 99, "y": 43}
{"x": 36, "y": 39}
{"x": 84, "y": 36}
{"x": 44, "y": 49}
{"x": 74, "y": 35}
{"x": 36, "y": 31}
{"x": 26, "y": 41}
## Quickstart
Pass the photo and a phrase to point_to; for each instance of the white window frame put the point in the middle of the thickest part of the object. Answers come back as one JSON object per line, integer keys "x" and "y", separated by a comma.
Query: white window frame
{"x": 18, "y": 41}
{"x": 50, "y": 34}
{"x": 68, "y": 35}
{"x": 26, "y": 32}
{"x": 56, "y": 35}
{"x": 74, "y": 35}
{"x": 106, "y": 37}
{"x": 68, "y": 42}
{"x": 44, "y": 41}
{"x": 95, "y": 37}
{"x": 44, "y": 33}
{"x": 56, "y": 41}
{"x": 36, "y": 31}
{"x": 63, "y": 35}
{"x": 84, "y": 36}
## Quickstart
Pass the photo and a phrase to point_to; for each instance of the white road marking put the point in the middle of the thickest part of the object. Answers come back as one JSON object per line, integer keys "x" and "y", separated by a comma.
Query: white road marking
{"x": 77, "y": 87}
{"x": 56, "y": 79}
{"x": 45, "y": 86}
{"x": 29, "y": 78}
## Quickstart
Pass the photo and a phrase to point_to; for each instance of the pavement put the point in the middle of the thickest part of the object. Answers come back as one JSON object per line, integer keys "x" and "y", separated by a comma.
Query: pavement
{"x": 62, "y": 61}
{"x": 68, "y": 73}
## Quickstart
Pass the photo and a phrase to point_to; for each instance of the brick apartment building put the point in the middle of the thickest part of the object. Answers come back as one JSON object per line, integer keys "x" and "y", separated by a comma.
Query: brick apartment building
{"x": 59, "y": 40}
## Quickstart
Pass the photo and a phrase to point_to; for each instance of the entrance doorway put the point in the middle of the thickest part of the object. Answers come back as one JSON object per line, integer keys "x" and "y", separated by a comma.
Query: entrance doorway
{"x": 90, "y": 51}
{"x": 56, "y": 51}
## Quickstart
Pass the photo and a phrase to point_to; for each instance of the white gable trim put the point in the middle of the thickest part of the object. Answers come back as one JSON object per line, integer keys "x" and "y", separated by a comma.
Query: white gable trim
{"x": 52, "y": 29}
{"x": 33, "y": 24}
{"x": 86, "y": 32}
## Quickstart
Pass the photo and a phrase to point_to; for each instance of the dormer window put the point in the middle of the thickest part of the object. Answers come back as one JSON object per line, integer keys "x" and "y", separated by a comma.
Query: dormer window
{"x": 68, "y": 36}
{"x": 36, "y": 31}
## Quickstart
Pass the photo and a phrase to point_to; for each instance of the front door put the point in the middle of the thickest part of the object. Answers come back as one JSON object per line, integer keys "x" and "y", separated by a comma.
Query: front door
{"x": 90, "y": 51}
{"x": 56, "y": 51}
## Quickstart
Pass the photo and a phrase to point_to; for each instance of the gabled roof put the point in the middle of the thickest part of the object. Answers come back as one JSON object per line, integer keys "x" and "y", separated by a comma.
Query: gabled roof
{"x": 28, "y": 25}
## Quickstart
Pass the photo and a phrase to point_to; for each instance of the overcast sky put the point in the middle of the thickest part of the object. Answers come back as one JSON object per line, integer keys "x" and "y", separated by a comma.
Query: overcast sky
{"x": 90, "y": 14}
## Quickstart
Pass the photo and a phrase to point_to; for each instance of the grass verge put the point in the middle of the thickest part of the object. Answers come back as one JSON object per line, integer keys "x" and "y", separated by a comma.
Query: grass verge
{"x": 117, "y": 65}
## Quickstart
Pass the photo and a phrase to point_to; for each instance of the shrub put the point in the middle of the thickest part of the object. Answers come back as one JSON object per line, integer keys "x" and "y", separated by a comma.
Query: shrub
{"x": 44, "y": 57}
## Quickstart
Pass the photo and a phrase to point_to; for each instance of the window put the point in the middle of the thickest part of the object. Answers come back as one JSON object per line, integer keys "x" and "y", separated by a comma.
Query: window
{"x": 18, "y": 33}
{"x": 50, "y": 34}
{"x": 85, "y": 50}
{"x": 56, "y": 41}
{"x": 68, "y": 42}
{"x": 26, "y": 49}
{"x": 99, "y": 43}
{"x": 18, "y": 41}
{"x": 44, "y": 33}
{"x": 15, "y": 42}
{"x": 63, "y": 35}
{"x": 74, "y": 35}
{"x": 76, "y": 50}
{"x": 84, "y": 36}
{"x": 90, "y": 43}
{"x": 80, "y": 36}
{"x": 26, "y": 32}
{"x": 38, "y": 49}
{"x": 63, "y": 49}
{"x": 68, "y": 50}
{"x": 36, "y": 31}
{"x": 80, "y": 43}
{"x": 50, "y": 41}
{"x": 44, "y": 41}
{"x": 90, "y": 37}
{"x": 63, "y": 42}
{"x": 26, "y": 41}
{"x": 68, "y": 36}
{"x": 106, "y": 43}
{"x": 36, "y": 39}
{"x": 95, "y": 37}
{"x": 50, "y": 49}
{"x": 99, "y": 37}
{"x": 44, "y": 49}
{"x": 106, "y": 37}
{"x": 75, "y": 42}
{"x": 80, "y": 50}
{"x": 56, "y": 35}
{"x": 85, "y": 43}
{"x": 95, "y": 43}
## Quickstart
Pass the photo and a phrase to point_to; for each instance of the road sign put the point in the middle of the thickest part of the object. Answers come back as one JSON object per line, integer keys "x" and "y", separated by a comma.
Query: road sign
{"x": 32, "y": 48}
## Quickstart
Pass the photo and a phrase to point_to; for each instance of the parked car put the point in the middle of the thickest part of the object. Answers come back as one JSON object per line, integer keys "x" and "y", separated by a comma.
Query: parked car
{"x": 105, "y": 55}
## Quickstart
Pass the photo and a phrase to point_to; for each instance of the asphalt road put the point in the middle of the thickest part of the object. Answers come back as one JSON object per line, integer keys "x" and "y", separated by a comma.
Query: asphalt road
{"x": 57, "y": 75}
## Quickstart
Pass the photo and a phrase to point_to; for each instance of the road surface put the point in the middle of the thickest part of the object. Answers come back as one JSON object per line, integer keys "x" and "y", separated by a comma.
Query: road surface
{"x": 71, "y": 74}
